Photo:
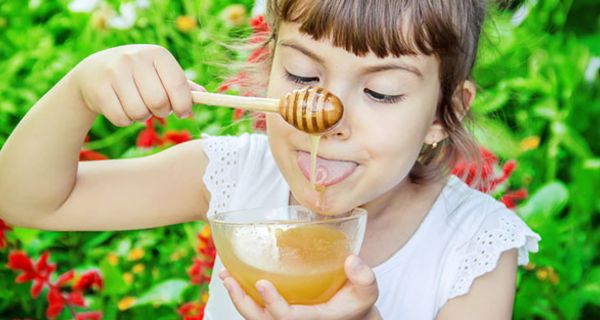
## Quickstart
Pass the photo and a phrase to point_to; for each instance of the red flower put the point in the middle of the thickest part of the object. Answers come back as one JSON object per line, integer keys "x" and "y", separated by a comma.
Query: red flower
{"x": 3, "y": 228}
{"x": 468, "y": 171}
{"x": 65, "y": 278}
{"x": 148, "y": 138}
{"x": 56, "y": 303}
{"x": 88, "y": 280}
{"x": 259, "y": 24}
{"x": 76, "y": 298}
{"x": 238, "y": 114}
{"x": 259, "y": 55}
{"x": 87, "y": 155}
{"x": 177, "y": 137}
{"x": 510, "y": 199}
{"x": 200, "y": 271}
{"x": 206, "y": 246}
{"x": 18, "y": 261}
{"x": 40, "y": 274}
{"x": 90, "y": 315}
{"x": 260, "y": 122}
{"x": 191, "y": 311}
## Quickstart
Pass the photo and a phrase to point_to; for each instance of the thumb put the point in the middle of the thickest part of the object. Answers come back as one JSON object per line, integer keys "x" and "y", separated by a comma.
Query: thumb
{"x": 195, "y": 87}
{"x": 361, "y": 277}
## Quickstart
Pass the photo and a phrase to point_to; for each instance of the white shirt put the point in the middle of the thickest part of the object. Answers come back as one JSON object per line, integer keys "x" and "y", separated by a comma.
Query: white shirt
{"x": 460, "y": 239}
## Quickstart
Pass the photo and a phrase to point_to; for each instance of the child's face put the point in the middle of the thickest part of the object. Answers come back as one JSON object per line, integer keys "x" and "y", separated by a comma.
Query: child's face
{"x": 389, "y": 112}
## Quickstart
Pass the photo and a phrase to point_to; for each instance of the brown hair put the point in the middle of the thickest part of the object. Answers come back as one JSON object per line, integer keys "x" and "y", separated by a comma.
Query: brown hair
{"x": 448, "y": 30}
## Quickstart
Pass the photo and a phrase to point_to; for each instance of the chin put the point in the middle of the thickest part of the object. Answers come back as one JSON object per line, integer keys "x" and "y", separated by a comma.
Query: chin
{"x": 334, "y": 203}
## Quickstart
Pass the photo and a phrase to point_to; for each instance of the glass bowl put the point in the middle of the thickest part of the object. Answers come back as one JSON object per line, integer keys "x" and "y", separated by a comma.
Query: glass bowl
{"x": 302, "y": 253}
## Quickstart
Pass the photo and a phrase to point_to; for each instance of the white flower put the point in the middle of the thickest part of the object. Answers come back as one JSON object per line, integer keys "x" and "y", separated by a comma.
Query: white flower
{"x": 34, "y": 4}
{"x": 522, "y": 13}
{"x": 83, "y": 5}
{"x": 142, "y": 4}
{"x": 260, "y": 7}
{"x": 592, "y": 69}
{"x": 190, "y": 74}
{"x": 125, "y": 19}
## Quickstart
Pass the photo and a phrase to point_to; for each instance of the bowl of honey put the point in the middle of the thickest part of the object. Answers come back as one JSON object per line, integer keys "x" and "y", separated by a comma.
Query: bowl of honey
{"x": 301, "y": 252}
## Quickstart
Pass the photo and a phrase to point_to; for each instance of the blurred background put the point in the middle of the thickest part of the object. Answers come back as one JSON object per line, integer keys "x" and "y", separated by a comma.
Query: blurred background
{"x": 537, "y": 115}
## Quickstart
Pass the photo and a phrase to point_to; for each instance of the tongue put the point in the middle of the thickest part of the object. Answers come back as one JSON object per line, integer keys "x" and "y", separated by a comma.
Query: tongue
{"x": 328, "y": 172}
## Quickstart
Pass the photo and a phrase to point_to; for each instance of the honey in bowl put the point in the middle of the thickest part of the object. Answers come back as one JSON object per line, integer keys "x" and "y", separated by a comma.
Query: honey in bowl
{"x": 302, "y": 255}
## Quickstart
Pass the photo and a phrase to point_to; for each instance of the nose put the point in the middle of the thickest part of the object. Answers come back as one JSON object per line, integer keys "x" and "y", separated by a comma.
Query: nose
{"x": 342, "y": 130}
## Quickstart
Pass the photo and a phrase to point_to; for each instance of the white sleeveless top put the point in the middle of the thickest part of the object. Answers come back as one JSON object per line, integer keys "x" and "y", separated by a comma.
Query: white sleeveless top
{"x": 460, "y": 239}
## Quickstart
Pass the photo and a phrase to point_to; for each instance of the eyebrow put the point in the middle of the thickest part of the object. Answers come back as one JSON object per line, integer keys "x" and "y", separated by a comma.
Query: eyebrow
{"x": 370, "y": 69}
{"x": 300, "y": 48}
{"x": 393, "y": 66}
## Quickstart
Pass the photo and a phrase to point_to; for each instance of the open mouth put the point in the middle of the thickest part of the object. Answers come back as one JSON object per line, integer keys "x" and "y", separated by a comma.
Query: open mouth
{"x": 328, "y": 172}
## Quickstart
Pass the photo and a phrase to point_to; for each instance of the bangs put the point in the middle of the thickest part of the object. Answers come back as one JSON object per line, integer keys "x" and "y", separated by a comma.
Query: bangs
{"x": 385, "y": 28}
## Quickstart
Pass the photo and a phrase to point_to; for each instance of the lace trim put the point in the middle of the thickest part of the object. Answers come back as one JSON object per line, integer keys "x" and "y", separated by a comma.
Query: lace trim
{"x": 220, "y": 177}
{"x": 488, "y": 244}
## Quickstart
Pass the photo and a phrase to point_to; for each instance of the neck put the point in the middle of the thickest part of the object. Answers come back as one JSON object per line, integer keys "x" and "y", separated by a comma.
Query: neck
{"x": 404, "y": 201}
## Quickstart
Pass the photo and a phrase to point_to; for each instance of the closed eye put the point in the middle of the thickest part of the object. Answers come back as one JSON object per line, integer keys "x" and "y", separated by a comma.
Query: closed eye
{"x": 383, "y": 98}
{"x": 299, "y": 79}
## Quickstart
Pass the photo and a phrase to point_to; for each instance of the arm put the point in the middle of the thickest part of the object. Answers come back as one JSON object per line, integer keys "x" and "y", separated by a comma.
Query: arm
{"x": 42, "y": 185}
{"x": 491, "y": 296}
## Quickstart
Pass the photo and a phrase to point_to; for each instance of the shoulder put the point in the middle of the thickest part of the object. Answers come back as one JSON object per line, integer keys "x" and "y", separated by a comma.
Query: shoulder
{"x": 236, "y": 162}
{"x": 483, "y": 229}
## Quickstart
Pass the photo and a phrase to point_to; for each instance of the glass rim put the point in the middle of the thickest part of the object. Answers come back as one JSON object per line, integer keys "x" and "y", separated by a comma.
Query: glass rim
{"x": 352, "y": 214}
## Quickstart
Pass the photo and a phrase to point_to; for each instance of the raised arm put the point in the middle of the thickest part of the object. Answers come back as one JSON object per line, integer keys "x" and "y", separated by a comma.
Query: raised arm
{"x": 42, "y": 184}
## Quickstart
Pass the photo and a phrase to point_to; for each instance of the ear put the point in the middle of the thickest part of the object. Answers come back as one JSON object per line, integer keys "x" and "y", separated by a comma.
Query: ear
{"x": 466, "y": 94}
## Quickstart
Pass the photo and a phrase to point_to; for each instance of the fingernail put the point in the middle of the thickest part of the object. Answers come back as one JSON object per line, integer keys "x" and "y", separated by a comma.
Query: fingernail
{"x": 186, "y": 115}
{"x": 261, "y": 290}
{"x": 227, "y": 285}
{"x": 196, "y": 87}
{"x": 356, "y": 264}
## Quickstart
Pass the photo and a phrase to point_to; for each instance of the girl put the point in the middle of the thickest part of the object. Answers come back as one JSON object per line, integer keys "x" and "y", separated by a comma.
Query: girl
{"x": 434, "y": 248}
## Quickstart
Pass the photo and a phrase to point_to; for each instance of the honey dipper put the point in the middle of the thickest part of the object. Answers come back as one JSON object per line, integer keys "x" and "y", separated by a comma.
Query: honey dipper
{"x": 312, "y": 109}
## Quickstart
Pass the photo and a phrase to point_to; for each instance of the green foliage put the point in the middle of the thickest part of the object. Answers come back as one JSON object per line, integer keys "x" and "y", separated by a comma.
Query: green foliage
{"x": 534, "y": 105}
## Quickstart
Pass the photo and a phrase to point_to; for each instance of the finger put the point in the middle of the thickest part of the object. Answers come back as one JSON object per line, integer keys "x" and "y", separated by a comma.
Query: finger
{"x": 274, "y": 302}
{"x": 129, "y": 96}
{"x": 243, "y": 302}
{"x": 151, "y": 90}
{"x": 224, "y": 274}
{"x": 175, "y": 83}
{"x": 111, "y": 107}
{"x": 362, "y": 278}
{"x": 196, "y": 87}
{"x": 279, "y": 308}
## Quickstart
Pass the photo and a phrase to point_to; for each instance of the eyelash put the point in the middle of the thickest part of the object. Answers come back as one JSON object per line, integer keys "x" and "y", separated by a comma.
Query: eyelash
{"x": 383, "y": 98}
{"x": 300, "y": 80}
{"x": 377, "y": 97}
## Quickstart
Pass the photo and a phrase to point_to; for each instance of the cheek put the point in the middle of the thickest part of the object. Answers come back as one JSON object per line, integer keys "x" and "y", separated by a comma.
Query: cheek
{"x": 394, "y": 140}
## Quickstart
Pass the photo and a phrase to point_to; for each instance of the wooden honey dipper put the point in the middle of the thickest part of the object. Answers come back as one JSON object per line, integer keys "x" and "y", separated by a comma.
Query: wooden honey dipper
{"x": 312, "y": 109}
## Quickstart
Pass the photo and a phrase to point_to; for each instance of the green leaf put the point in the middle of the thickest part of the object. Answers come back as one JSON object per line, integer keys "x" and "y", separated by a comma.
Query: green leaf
{"x": 96, "y": 240}
{"x": 166, "y": 292}
{"x": 575, "y": 143}
{"x": 497, "y": 137}
{"x": 26, "y": 236}
{"x": 491, "y": 102}
{"x": 548, "y": 201}
{"x": 591, "y": 287}
{"x": 113, "y": 279}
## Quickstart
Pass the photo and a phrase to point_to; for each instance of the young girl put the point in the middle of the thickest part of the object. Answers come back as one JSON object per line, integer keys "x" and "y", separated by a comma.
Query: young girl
{"x": 434, "y": 248}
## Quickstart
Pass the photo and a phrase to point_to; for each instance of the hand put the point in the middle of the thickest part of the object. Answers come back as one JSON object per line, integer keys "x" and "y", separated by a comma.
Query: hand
{"x": 134, "y": 82}
{"x": 354, "y": 300}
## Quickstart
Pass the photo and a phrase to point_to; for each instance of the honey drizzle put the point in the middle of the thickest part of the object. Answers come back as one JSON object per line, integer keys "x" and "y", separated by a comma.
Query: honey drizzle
{"x": 314, "y": 147}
